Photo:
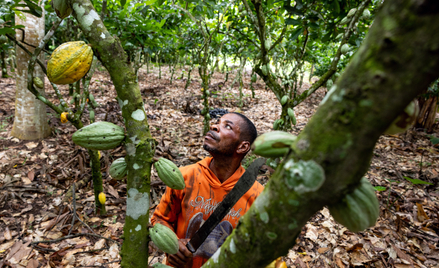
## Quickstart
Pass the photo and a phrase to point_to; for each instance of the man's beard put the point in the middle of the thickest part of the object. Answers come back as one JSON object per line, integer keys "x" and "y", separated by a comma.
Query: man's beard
{"x": 228, "y": 151}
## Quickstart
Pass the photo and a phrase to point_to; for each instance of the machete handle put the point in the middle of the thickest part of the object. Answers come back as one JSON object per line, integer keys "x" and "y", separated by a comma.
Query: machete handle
{"x": 190, "y": 247}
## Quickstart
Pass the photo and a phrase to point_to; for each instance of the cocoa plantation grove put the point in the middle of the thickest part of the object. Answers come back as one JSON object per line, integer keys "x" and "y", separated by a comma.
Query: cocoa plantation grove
{"x": 106, "y": 106}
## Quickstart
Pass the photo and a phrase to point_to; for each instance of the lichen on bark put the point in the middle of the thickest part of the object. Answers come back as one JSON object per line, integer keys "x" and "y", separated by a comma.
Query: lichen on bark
{"x": 139, "y": 142}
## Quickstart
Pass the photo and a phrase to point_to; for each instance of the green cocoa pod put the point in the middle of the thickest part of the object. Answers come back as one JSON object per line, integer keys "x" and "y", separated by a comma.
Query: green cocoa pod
{"x": 264, "y": 69}
{"x": 169, "y": 173}
{"x": 351, "y": 12}
{"x": 276, "y": 124}
{"x": 38, "y": 82}
{"x": 273, "y": 144}
{"x": 62, "y": 8}
{"x": 99, "y": 136}
{"x": 92, "y": 115}
{"x": 3, "y": 39}
{"x": 337, "y": 75}
{"x": 405, "y": 119}
{"x": 208, "y": 116}
{"x": 92, "y": 100}
{"x": 254, "y": 78}
{"x": 344, "y": 21}
{"x": 366, "y": 14}
{"x": 345, "y": 49}
{"x": 292, "y": 116}
{"x": 284, "y": 99}
{"x": 164, "y": 238}
{"x": 267, "y": 44}
{"x": 340, "y": 35}
{"x": 118, "y": 169}
{"x": 359, "y": 209}
{"x": 329, "y": 83}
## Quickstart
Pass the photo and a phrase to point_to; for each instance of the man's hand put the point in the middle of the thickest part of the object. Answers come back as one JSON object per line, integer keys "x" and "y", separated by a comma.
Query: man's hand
{"x": 182, "y": 257}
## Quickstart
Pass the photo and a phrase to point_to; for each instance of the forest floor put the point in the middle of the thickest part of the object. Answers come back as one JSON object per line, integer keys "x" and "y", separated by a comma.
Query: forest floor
{"x": 36, "y": 224}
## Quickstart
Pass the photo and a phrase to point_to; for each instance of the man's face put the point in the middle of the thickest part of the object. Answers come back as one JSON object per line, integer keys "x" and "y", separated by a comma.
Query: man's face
{"x": 223, "y": 136}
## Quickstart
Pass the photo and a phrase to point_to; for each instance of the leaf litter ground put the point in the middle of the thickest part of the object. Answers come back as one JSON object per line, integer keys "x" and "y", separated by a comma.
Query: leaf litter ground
{"x": 36, "y": 223}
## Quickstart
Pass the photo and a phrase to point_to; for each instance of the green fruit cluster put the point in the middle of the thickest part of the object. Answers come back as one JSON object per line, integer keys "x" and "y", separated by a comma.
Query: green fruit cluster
{"x": 292, "y": 116}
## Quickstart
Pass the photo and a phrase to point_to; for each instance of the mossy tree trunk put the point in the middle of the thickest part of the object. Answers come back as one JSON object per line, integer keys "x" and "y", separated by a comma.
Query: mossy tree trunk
{"x": 140, "y": 145}
{"x": 376, "y": 86}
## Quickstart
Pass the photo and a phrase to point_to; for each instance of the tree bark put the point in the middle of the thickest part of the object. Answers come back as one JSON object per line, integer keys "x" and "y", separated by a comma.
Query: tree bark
{"x": 376, "y": 86}
{"x": 140, "y": 145}
{"x": 427, "y": 115}
{"x": 4, "y": 66}
{"x": 30, "y": 122}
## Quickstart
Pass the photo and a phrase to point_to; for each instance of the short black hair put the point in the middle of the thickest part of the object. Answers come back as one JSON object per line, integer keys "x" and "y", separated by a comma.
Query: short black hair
{"x": 248, "y": 129}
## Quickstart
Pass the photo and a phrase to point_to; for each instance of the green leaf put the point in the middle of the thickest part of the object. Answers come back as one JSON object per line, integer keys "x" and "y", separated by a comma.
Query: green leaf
{"x": 290, "y": 21}
{"x": 417, "y": 181}
{"x": 433, "y": 139}
{"x": 393, "y": 180}
{"x": 6, "y": 31}
{"x": 380, "y": 188}
{"x": 34, "y": 8}
{"x": 296, "y": 33}
{"x": 326, "y": 37}
{"x": 123, "y": 2}
{"x": 336, "y": 6}
{"x": 149, "y": 2}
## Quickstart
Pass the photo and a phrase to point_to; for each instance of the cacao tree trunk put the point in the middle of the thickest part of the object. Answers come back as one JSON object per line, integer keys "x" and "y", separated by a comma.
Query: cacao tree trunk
{"x": 376, "y": 86}
{"x": 30, "y": 121}
{"x": 427, "y": 115}
{"x": 4, "y": 66}
{"x": 139, "y": 145}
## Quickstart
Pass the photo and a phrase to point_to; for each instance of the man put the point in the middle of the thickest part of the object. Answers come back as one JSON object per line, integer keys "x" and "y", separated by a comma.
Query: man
{"x": 207, "y": 182}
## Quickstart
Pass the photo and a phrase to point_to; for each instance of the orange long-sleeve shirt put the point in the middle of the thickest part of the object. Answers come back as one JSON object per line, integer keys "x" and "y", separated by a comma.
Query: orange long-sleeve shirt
{"x": 185, "y": 210}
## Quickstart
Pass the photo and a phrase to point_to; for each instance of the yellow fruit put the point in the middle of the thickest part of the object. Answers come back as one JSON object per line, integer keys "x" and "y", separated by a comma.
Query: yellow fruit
{"x": 64, "y": 117}
{"x": 102, "y": 198}
{"x": 69, "y": 62}
{"x": 99, "y": 154}
{"x": 282, "y": 265}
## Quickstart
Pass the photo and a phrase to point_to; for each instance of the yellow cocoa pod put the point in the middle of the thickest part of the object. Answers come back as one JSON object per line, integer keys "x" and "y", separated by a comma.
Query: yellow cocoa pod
{"x": 69, "y": 62}
{"x": 102, "y": 198}
{"x": 64, "y": 117}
